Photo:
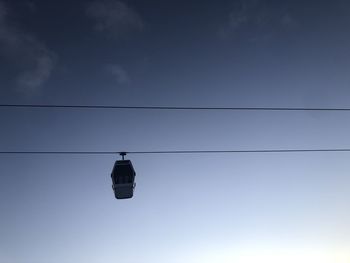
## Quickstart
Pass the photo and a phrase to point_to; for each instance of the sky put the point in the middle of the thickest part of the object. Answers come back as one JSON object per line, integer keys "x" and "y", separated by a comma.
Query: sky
{"x": 192, "y": 208}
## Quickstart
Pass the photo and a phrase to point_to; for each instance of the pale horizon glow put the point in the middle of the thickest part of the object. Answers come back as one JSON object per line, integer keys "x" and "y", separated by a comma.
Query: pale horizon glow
{"x": 254, "y": 252}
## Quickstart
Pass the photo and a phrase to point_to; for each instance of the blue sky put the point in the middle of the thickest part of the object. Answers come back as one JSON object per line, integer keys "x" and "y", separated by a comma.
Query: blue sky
{"x": 241, "y": 208}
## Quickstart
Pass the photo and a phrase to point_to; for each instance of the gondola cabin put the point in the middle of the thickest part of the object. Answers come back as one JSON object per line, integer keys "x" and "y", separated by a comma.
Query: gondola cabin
{"x": 123, "y": 179}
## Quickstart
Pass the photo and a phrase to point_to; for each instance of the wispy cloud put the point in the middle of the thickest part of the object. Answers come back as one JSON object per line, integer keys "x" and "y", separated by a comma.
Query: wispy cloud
{"x": 120, "y": 74}
{"x": 257, "y": 16}
{"x": 242, "y": 13}
{"x": 33, "y": 60}
{"x": 114, "y": 17}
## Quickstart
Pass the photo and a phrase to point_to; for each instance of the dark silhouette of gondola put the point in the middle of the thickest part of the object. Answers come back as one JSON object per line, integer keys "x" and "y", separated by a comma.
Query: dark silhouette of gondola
{"x": 123, "y": 178}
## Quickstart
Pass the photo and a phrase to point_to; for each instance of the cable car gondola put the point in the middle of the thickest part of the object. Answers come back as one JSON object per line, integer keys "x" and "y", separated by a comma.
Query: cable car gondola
{"x": 123, "y": 178}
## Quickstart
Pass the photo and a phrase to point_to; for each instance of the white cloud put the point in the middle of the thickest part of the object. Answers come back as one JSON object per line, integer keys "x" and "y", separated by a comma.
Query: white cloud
{"x": 114, "y": 17}
{"x": 259, "y": 17}
{"x": 289, "y": 22}
{"x": 242, "y": 13}
{"x": 33, "y": 78}
{"x": 33, "y": 60}
{"x": 120, "y": 74}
